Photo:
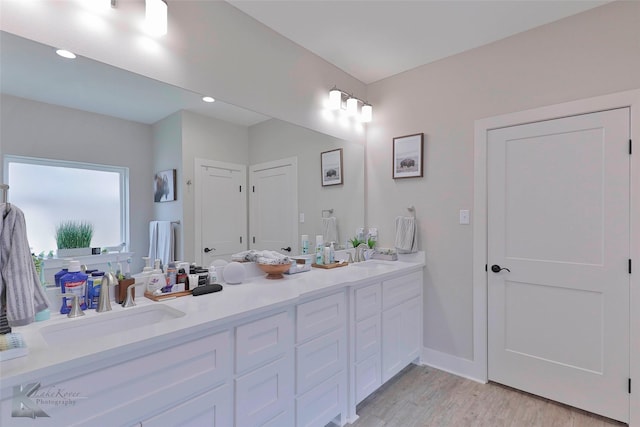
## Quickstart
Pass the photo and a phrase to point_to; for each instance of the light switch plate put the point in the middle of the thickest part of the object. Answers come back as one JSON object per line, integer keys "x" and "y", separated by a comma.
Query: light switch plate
{"x": 301, "y": 218}
{"x": 464, "y": 216}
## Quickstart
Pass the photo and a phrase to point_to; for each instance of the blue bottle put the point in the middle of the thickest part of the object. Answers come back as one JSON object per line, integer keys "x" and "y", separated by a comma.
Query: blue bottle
{"x": 59, "y": 274}
{"x": 75, "y": 283}
{"x": 94, "y": 283}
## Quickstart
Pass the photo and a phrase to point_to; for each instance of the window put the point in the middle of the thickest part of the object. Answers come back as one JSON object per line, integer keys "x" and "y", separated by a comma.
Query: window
{"x": 52, "y": 191}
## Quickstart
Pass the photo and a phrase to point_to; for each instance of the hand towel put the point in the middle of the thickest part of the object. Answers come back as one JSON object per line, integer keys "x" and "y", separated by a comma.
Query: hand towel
{"x": 406, "y": 235}
{"x": 19, "y": 281}
{"x": 161, "y": 241}
{"x": 330, "y": 229}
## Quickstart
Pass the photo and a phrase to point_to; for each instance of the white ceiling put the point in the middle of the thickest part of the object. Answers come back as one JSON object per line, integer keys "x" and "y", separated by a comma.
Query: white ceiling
{"x": 368, "y": 39}
{"x": 374, "y": 39}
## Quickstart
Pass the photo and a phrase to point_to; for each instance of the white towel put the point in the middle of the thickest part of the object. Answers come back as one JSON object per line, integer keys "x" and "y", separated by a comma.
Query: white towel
{"x": 19, "y": 281}
{"x": 330, "y": 229}
{"x": 406, "y": 235}
{"x": 161, "y": 241}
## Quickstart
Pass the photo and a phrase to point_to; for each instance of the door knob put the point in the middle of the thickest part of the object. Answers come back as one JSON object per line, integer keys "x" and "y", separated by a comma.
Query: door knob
{"x": 497, "y": 269}
{"x": 287, "y": 249}
{"x": 207, "y": 250}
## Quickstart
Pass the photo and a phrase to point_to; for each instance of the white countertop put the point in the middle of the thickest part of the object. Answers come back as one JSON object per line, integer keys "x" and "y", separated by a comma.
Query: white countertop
{"x": 202, "y": 313}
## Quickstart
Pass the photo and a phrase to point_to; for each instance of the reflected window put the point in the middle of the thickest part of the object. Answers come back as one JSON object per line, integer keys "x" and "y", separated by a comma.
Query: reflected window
{"x": 50, "y": 192}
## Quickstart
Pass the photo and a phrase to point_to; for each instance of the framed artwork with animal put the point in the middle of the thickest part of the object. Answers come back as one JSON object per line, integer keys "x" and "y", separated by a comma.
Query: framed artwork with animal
{"x": 408, "y": 156}
{"x": 164, "y": 186}
{"x": 331, "y": 167}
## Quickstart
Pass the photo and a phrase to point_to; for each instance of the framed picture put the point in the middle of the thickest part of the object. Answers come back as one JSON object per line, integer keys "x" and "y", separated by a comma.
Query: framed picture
{"x": 331, "y": 167}
{"x": 164, "y": 186}
{"x": 408, "y": 156}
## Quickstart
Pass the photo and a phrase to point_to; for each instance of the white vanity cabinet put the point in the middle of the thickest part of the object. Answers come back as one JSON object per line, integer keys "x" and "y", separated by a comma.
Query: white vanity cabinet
{"x": 387, "y": 331}
{"x": 264, "y": 380}
{"x": 321, "y": 360}
{"x": 401, "y": 323}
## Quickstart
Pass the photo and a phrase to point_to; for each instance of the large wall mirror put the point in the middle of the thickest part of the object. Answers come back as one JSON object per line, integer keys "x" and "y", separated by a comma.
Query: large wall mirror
{"x": 84, "y": 111}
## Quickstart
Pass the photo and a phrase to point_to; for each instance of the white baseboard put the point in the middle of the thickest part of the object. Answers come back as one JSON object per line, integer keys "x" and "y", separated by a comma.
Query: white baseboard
{"x": 453, "y": 364}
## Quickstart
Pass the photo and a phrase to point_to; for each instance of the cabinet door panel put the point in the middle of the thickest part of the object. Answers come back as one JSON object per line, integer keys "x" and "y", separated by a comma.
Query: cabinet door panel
{"x": 263, "y": 340}
{"x": 393, "y": 345}
{"x": 319, "y": 316}
{"x": 368, "y": 301}
{"x": 368, "y": 377}
{"x": 320, "y": 358}
{"x": 263, "y": 394}
{"x": 412, "y": 331}
{"x": 323, "y": 403}
{"x": 213, "y": 408}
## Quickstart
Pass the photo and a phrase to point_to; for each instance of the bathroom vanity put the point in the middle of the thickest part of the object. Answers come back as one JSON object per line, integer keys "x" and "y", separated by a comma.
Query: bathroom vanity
{"x": 300, "y": 351}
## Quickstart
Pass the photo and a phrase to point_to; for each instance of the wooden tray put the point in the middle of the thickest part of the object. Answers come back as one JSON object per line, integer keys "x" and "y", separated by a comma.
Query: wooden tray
{"x": 166, "y": 296}
{"x": 330, "y": 266}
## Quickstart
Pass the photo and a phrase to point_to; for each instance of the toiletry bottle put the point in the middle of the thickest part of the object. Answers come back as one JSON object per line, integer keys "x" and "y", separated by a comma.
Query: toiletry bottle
{"x": 74, "y": 282}
{"x": 319, "y": 249}
{"x": 326, "y": 255}
{"x": 94, "y": 283}
{"x": 305, "y": 244}
{"x": 332, "y": 254}
{"x": 65, "y": 270}
{"x": 213, "y": 275}
{"x": 172, "y": 275}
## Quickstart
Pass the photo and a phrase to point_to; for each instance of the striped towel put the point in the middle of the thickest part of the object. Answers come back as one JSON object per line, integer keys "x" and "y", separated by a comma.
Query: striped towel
{"x": 406, "y": 235}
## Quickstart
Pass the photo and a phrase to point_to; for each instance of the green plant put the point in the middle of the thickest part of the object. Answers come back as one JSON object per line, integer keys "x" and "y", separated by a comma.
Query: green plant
{"x": 355, "y": 242}
{"x": 371, "y": 243}
{"x": 74, "y": 234}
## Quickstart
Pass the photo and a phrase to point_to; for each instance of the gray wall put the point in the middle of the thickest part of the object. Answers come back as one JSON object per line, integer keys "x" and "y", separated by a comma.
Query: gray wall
{"x": 42, "y": 130}
{"x": 275, "y": 139}
{"x": 593, "y": 53}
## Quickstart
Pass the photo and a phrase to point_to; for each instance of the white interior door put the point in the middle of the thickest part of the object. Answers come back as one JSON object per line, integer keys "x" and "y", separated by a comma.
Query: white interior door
{"x": 221, "y": 206}
{"x": 273, "y": 202}
{"x": 558, "y": 219}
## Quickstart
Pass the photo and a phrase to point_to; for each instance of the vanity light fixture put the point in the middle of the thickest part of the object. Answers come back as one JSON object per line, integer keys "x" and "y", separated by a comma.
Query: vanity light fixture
{"x": 343, "y": 100}
{"x": 66, "y": 54}
{"x": 156, "y": 17}
{"x": 208, "y": 99}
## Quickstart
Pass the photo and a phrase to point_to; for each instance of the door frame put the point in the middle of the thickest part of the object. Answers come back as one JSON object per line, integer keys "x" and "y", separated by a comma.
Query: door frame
{"x": 478, "y": 368}
{"x": 197, "y": 206}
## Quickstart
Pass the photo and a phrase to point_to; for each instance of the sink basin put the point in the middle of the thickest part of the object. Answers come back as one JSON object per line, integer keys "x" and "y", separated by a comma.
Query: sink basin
{"x": 101, "y": 324}
{"x": 372, "y": 263}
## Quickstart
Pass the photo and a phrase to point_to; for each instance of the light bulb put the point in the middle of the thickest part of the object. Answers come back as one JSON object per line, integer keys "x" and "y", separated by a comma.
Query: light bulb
{"x": 66, "y": 54}
{"x": 352, "y": 106}
{"x": 367, "y": 113}
{"x": 208, "y": 99}
{"x": 156, "y": 17}
{"x": 335, "y": 99}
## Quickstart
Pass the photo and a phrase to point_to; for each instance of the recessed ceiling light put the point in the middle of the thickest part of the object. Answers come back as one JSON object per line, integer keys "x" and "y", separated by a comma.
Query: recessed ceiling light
{"x": 208, "y": 99}
{"x": 66, "y": 54}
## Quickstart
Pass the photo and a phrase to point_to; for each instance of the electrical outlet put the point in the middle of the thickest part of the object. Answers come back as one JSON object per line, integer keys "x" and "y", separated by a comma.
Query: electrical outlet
{"x": 464, "y": 216}
{"x": 301, "y": 218}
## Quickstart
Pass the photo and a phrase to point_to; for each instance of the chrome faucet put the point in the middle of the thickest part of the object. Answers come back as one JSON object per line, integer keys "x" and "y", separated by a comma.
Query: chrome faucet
{"x": 360, "y": 252}
{"x": 129, "y": 301}
{"x": 104, "y": 303}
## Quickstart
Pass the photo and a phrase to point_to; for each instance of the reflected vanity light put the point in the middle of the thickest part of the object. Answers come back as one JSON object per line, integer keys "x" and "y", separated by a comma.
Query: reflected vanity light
{"x": 66, "y": 54}
{"x": 208, "y": 99}
{"x": 156, "y": 17}
{"x": 340, "y": 100}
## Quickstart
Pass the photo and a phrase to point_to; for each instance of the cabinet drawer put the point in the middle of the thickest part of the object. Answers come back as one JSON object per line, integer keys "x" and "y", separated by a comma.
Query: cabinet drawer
{"x": 263, "y": 340}
{"x": 320, "y": 358}
{"x": 264, "y": 394}
{"x": 400, "y": 289}
{"x": 323, "y": 403}
{"x": 368, "y": 301}
{"x": 319, "y": 316}
{"x": 368, "y": 377}
{"x": 367, "y": 338}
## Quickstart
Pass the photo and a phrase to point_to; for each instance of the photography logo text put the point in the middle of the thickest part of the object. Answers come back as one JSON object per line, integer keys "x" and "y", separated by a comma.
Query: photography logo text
{"x": 29, "y": 399}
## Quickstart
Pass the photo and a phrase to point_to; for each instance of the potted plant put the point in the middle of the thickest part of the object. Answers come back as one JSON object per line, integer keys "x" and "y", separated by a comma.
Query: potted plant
{"x": 74, "y": 238}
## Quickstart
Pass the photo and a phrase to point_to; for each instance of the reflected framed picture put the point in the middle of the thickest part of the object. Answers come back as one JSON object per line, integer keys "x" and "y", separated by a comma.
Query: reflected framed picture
{"x": 164, "y": 186}
{"x": 408, "y": 156}
{"x": 331, "y": 167}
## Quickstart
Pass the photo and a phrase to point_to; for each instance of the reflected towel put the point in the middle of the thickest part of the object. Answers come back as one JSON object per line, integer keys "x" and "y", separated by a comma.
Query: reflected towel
{"x": 19, "y": 281}
{"x": 161, "y": 241}
{"x": 406, "y": 235}
{"x": 330, "y": 229}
